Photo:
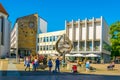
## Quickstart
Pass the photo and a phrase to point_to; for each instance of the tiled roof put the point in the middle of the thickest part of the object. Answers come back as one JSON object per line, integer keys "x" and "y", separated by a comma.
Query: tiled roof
{"x": 2, "y": 9}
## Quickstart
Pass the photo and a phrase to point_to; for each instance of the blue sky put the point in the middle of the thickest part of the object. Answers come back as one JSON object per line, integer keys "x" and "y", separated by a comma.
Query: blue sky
{"x": 57, "y": 11}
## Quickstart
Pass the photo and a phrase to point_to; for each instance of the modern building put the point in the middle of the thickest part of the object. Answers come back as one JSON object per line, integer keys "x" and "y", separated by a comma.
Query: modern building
{"x": 47, "y": 41}
{"x": 89, "y": 36}
{"x": 25, "y": 33}
{"x": 4, "y": 32}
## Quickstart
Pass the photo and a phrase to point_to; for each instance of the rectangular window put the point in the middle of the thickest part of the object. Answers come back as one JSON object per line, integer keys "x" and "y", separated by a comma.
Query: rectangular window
{"x": 38, "y": 40}
{"x": 2, "y": 31}
{"x": 50, "y": 38}
{"x": 53, "y": 38}
{"x": 41, "y": 48}
{"x": 44, "y": 39}
{"x": 53, "y": 47}
{"x": 37, "y": 48}
{"x": 50, "y": 47}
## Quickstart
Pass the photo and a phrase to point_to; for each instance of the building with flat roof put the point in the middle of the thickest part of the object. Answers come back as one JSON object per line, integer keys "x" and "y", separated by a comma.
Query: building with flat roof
{"x": 89, "y": 36}
{"x": 25, "y": 33}
{"x": 4, "y": 32}
{"x": 47, "y": 41}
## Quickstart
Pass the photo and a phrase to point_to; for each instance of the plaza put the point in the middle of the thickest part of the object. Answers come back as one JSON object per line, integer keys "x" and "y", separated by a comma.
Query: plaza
{"x": 11, "y": 69}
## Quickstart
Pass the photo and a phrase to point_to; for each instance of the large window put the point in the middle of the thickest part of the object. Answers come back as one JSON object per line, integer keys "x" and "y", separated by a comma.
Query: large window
{"x": 2, "y": 31}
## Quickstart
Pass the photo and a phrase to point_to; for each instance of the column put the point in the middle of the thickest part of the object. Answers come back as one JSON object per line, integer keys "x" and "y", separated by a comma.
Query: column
{"x": 101, "y": 41}
{"x": 66, "y": 29}
{"x": 79, "y": 35}
{"x": 93, "y": 25}
{"x": 86, "y": 34}
{"x": 72, "y": 30}
{"x": 72, "y": 33}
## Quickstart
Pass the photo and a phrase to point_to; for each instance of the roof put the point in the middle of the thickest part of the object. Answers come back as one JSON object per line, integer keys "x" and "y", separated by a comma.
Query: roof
{"x": 2, "y": 9}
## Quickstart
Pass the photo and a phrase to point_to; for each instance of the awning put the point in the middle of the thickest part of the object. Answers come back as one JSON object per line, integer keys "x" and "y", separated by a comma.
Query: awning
{"x": 92, "y": 55}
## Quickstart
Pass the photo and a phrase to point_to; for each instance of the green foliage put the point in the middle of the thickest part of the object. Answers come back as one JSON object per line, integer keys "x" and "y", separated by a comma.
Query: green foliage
{"x": 115, "y": 38}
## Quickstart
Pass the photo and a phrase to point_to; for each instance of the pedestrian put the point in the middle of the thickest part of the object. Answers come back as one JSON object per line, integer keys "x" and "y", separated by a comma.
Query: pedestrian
{"x": 57, "y": 65}
{"x": 87, "y": 66}
{"x": 27, "y": 64}
{"x": 50, "y": 65}
{"x": 36, "y": 63}
{"x": 33, "y": 65}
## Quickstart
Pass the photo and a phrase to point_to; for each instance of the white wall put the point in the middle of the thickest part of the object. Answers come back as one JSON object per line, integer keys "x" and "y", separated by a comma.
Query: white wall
{"x": 43, "y": 25}
{"x": 70, "y": 33}
{"x": 90, "y": 32}
{"x": 98, "y": 30}
{"x": 83, "y": 33}
{"x": 76, "y": 33}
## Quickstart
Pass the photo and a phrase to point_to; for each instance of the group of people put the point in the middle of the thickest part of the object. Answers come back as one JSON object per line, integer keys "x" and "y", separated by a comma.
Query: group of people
{"x": 57, "y": 65}
{"x": 35, "y": 64}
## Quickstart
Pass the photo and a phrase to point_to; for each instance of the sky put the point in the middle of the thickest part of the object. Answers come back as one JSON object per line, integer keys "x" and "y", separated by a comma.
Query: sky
{"x": 55, "y": 12}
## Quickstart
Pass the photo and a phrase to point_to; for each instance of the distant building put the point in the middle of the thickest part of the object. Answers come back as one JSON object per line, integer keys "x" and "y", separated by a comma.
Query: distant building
{"x": 47, "y": 41}
{"x": 25, "y": 33}
{"x": 89, "y": 36}
{"x": 4, "y": 32}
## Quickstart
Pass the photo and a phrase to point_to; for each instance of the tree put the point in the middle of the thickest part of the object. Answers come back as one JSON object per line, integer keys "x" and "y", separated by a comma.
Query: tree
{"x": 115, "y": 38}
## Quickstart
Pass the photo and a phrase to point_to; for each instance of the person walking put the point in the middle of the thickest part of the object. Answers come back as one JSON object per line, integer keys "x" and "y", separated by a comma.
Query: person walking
{"x": 57, "y": 65}
{"x": 87, "y": 66}
{"x": 27, "y": 64}
{"x": 36, "y": 64}
{"x": 50, "y": 65}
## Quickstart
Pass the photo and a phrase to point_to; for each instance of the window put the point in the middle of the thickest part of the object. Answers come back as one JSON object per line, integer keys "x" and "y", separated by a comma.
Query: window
{"x": 53, "y": 47}
{"x": 38, "y": 40}
{"x": 43, "y": 47}
{"x": 2, "y": 31}
{"x": 43, "y": 39}
{"x": 46, "y": 39}
{"x": 50, "y": 47}
{"x": 46, "y": 47}
{"x": 37, "y": 48}
{"x": 53, "y": 38}
{"x": 50, "y": 38}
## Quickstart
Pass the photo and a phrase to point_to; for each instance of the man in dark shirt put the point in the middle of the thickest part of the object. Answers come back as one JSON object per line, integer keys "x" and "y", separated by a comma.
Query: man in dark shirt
{"x": 57, "y": 66}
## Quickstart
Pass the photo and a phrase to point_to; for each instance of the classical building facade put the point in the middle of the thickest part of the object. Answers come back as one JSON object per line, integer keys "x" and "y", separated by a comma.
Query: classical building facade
{"x": 89, "y": 36}
{"x": 4, "y": 32}
{"x": 47, "y": 41}
{"x": 25, "y": 32}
